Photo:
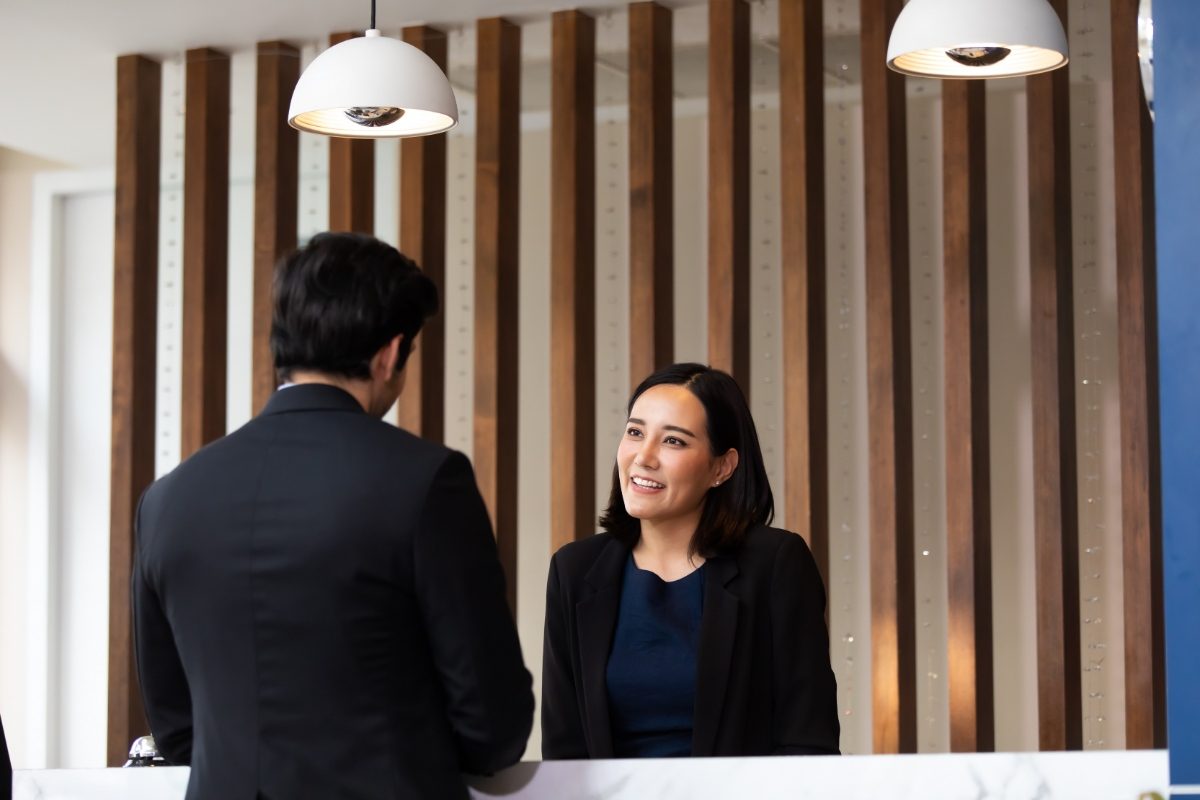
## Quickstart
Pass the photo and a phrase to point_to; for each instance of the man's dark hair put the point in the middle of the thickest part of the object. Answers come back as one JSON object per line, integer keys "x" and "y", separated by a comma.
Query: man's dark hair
{"x": 340, "y": 298}
{"x": 741, "y": 501}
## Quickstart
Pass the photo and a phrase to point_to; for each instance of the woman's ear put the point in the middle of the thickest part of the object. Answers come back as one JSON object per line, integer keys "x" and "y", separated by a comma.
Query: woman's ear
{"x": 726, "y": 464}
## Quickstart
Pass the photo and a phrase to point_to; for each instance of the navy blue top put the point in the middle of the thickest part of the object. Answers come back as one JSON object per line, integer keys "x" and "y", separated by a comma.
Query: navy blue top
{"x": 652, "y": 667}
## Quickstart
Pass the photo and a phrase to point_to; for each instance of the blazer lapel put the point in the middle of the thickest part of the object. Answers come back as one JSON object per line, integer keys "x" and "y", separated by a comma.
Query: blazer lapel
{"x": 718, "y": 627}
{"x": 596, "y": 618}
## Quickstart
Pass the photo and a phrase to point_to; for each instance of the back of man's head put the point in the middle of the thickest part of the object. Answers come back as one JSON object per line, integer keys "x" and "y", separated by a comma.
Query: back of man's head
{"x": 342, "y": 297}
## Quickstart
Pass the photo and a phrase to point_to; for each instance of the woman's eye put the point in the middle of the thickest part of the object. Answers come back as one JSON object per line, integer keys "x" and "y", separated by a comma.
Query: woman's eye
{"x": 672, "y": 440}
{"x": 633, "y": 432}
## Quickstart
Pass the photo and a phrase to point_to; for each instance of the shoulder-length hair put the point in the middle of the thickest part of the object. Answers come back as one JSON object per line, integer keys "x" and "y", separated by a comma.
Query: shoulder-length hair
{"x": 737, "y": 504}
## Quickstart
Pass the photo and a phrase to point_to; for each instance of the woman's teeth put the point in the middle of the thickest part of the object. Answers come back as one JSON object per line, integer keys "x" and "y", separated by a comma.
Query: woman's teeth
{"x": 646, "y": 483}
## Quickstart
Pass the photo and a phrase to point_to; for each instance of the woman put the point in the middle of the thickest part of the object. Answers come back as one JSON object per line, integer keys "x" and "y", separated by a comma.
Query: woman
{"x": 689, "y": 627}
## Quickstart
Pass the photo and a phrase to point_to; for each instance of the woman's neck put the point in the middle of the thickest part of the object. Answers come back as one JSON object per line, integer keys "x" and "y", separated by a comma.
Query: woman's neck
{"x": 663, "y": 546}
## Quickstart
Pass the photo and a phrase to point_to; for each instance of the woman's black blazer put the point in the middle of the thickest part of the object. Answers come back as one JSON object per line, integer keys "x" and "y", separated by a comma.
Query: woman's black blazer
{"x": 763, "y": 684}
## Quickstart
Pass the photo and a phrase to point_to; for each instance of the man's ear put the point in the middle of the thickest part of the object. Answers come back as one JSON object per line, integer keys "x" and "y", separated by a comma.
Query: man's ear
{"x": 386, "y": 360}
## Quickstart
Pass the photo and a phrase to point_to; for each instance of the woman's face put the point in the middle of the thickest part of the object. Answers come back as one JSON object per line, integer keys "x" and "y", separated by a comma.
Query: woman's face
{"x": 665, "y": 462}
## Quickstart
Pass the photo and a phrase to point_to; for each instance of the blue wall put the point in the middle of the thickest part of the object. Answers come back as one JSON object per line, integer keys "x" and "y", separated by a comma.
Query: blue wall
{"x": 1177, "y": 202}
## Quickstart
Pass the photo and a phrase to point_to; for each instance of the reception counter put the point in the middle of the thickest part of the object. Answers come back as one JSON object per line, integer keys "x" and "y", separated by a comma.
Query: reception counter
{"x": 1103, "y": 775}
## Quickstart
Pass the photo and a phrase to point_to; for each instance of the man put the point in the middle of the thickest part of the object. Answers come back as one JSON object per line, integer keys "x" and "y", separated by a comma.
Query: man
{"x": 6, "y": 776}
{"x": 319, "y": 609}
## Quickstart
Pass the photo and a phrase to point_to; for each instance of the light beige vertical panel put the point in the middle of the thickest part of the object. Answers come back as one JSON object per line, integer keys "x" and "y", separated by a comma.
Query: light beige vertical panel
{"x": 1097, "y": 405}
{"x": 1012, "y": 480}
{"x": 691, "y": 287}
{"x": 239, "y": 331}
{"x": 612, "y": 245}
{"x": 459, "y": 295}
{"x": 929, "y": 461}
{"x": 691, "y": 189}
{"x": 312, "y": 206}
{"x": 170, "y": 271}
{"x": 766, "y": 345}
{"x": 536, "y": 436}
{"x": 845, "y": 321}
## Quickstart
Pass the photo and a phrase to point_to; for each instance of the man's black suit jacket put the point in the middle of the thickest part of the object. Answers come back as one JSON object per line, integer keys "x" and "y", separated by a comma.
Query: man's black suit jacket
{"x": 764, "y": 685}
{"x": 6, "y": 776}
{"x": 319, "y": 611}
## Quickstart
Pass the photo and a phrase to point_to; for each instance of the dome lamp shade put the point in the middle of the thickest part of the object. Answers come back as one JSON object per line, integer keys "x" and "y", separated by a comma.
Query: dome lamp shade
{"x": 977, "y": 39}
{"x": 373, "y": 87}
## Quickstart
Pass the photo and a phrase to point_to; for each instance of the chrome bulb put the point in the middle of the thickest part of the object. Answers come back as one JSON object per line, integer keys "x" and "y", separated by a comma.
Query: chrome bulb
{"x": 374, "y": 116}
{"x": 978, "y": 55}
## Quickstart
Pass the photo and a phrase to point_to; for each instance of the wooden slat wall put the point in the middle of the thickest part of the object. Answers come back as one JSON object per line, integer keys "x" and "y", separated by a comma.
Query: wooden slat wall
{"x": 351, "y": 176}
{"x": 135, "y": 327}
{"x": 423, "y": 239}
{"x": 729, "y": 188}
{"x": 889, "y": 389}
{"x": 1137, "y": 354}
{"x": 1052, "y": 333}
{"x": 573, "y": 277}
{"x": 651, "y": 191}
{"x": 968, "y": 490}
{"x": 497, "y": 198}
{"x": 802, "y": 158}
{"x": 205, "y": 248}
{"x": 276, "y": 176}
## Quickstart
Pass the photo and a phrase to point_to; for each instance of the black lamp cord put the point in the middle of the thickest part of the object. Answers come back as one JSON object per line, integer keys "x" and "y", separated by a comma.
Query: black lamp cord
{"x": 372, "y": 14}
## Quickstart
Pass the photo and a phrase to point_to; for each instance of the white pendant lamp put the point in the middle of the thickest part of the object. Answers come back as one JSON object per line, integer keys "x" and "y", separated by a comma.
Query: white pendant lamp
{"x": 373, "y": 87}
{"x": 977, "y": 39}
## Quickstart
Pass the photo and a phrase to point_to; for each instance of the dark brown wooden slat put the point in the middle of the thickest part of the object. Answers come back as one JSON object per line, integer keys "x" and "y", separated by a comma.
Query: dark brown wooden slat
{"x": 135, "y": 326}
{"x": 1137, "y": 354}
{"x": 351, "y": 176}
{"x": 651, "y": 191}
{"x": 968, "y": 491}
{"x": 205, "y": 248}
{"x": 276, "y": 188}
{"x": 497, "y": 198}
{"x": 573, "y": 277}
{"x": 1052, "y": 333}
{"x": 423, "y": 239}
{"x": 729, "y": 188}
{"x": 889, "y": 389}
{"x": 802, "y": 152}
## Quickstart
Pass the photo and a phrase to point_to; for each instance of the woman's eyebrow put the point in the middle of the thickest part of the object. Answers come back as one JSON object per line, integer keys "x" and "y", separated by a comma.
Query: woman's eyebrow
{"x": 679, "y": 429}
{"x": 637, "y": 421}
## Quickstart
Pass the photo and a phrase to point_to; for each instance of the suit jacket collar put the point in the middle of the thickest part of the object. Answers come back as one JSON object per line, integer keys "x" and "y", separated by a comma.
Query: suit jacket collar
{"x": 596, "y": 614}
{"x": 718, "y": 629}
{"x": 311, "y": 397}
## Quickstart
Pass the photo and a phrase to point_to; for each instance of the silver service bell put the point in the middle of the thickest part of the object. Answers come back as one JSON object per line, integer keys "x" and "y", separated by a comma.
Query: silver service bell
{"x": 144, "y": 753}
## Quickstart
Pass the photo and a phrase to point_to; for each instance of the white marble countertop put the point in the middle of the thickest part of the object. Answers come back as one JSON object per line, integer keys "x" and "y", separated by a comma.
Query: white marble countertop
{"x": 1093, "y": 775}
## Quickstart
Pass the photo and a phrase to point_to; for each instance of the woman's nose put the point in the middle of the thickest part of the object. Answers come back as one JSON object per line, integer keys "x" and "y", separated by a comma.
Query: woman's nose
{"x": 646, "y": 455}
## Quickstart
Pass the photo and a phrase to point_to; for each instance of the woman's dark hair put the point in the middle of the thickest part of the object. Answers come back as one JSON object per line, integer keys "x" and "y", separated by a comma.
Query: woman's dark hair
{"x": 340, "y": 298}
{"x": 740, "y": 502}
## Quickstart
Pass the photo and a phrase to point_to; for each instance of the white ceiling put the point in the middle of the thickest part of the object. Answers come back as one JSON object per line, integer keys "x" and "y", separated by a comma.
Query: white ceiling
{"x": 57, "y": 68}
